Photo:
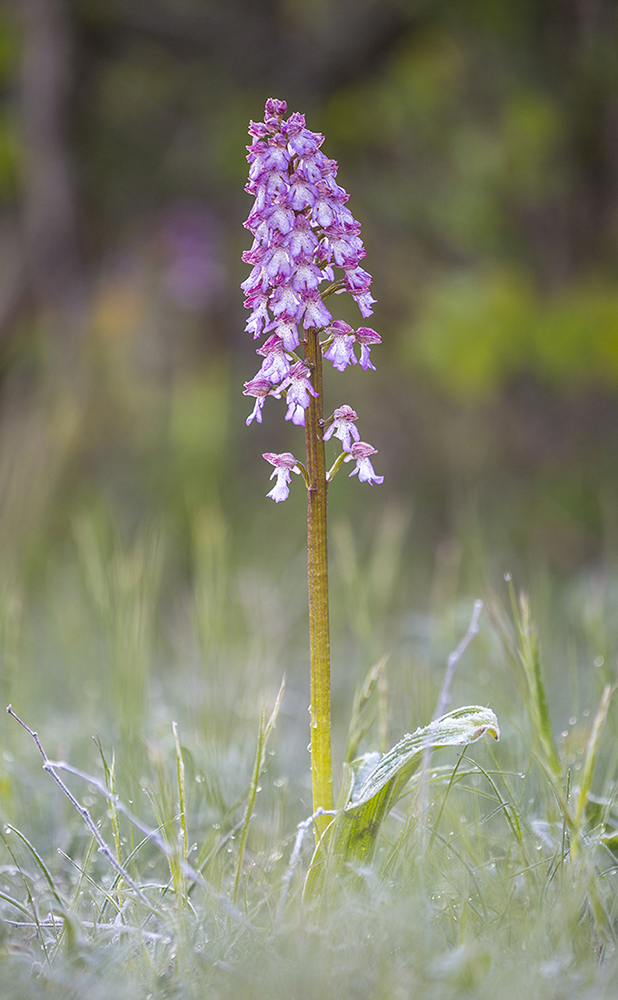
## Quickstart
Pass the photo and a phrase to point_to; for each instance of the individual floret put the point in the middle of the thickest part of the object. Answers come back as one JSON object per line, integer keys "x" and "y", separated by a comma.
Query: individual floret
{"x": 360, "y": 452}
{"x": 284, "y": 465}
{"x": 343, "y": 427}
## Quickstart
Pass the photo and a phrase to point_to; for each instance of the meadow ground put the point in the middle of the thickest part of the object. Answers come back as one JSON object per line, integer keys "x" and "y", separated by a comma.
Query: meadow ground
{"x": 496, "y": 877}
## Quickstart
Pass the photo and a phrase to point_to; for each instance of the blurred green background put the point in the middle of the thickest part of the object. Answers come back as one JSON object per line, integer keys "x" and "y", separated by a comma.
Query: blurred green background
{"x": 479, "y": 142}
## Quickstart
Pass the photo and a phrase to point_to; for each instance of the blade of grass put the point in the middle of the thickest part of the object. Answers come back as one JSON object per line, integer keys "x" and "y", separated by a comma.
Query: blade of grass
{"x": 181, "y": 888}
{"x": 15, "y": 902}
{"x": 592, "y": 750}
{"x": 361, "y": 719}
{"x": 32, "y": 912}
{"x": 530, "y": 659}
{"x": 39, "y": 860}
{"x": 264, "y": 732}
{"x": 445, "y": 798}
{"x": 109, "y": 773}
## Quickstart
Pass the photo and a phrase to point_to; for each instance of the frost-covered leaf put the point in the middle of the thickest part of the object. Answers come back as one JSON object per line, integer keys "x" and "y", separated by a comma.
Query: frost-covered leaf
{"x": 379, "y": 780}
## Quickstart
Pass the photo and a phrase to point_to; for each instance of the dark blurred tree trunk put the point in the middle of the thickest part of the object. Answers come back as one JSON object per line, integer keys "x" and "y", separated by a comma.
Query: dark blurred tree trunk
{"x": 579, "y": 46}
{"x": 49, "y": 208}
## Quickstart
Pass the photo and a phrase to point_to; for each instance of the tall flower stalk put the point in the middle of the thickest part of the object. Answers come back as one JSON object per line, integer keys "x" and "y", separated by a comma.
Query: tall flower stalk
{"x": 317, "y": 564}
{"x": 304, "y": 236}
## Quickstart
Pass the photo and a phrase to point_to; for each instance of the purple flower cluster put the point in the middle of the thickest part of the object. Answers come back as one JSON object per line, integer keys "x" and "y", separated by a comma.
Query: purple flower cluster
{"x": 302, "y": 232}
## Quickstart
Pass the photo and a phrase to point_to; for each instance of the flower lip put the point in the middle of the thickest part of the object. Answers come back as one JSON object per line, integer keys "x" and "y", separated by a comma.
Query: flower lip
{"x": 316, "y": 313}
{"x": 365, "y": 336}
{"x": 364, "y": 302}
{"x": 296, "y": 414}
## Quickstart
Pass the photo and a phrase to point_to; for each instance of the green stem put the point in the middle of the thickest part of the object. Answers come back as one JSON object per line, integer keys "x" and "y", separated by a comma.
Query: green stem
{"x": 321, "y": 768}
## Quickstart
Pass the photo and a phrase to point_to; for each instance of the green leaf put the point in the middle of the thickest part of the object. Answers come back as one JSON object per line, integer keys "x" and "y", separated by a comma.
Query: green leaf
{"x": 377, "y": 781}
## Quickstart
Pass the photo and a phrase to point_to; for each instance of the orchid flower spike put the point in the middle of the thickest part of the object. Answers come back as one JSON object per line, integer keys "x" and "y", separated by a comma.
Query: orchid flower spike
{"x": 303, "y": 235}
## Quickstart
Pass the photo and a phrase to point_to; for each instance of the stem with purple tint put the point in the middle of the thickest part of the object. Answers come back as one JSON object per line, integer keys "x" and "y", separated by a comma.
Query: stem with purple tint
{"x": 317, "y": 558}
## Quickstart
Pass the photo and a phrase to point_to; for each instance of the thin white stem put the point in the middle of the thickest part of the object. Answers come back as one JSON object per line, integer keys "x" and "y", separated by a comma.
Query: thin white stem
{"x": 83, "y": 812}
{"x": 114, "y": 928}
{"x": 444, "y": 697}
{"x": 454, "y": 658}
{"x": 187, "y": 870}
{"x": 301, "y": 831}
